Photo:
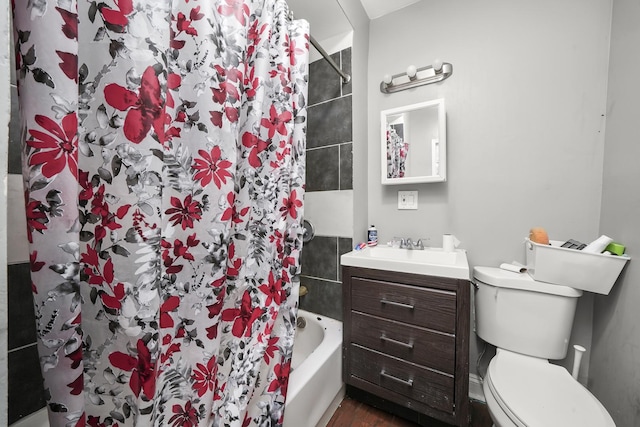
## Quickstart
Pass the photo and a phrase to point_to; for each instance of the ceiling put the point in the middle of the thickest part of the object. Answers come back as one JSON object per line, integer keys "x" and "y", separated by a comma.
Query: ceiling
{"x": 327, "y": 19}
{"x": 377, "y": 8}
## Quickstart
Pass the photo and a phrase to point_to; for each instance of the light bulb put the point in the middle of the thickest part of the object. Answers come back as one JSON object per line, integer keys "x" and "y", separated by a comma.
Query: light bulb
{"x": 437, "y": 65}
{"x": 387, "y": 79}
{"x": 411, "y": 71}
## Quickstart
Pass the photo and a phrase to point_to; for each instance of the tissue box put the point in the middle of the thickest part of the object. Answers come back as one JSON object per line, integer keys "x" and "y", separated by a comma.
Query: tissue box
{"x": 570, "y": 267}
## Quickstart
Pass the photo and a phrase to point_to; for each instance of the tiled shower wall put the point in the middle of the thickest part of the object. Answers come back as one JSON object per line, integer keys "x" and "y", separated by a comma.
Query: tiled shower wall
{"x": 329, "y": 170}
{"x": 25, "y": 388}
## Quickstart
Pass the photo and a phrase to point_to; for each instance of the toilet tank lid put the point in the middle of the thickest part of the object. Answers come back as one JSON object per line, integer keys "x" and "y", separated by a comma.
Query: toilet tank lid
{"x": 506, "y": 279}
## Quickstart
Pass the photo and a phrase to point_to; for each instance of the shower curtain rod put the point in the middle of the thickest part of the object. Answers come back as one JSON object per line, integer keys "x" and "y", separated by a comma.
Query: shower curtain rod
{"x": 346, "y": 78}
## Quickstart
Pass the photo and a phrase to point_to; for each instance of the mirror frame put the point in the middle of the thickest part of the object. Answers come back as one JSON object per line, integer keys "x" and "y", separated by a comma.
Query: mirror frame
{"x": 442, "y": 133}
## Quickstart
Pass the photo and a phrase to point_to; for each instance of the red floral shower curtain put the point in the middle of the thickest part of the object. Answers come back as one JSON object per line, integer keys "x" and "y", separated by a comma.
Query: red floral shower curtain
{"x": 164, "y": 173}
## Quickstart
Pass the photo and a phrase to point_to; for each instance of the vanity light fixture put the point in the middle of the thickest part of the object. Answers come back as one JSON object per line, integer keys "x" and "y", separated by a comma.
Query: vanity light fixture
{"x": 415, "y": 77}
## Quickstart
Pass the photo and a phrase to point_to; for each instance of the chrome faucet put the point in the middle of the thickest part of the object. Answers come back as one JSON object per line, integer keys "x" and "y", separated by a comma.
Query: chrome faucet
{"x": 410, "y": 245}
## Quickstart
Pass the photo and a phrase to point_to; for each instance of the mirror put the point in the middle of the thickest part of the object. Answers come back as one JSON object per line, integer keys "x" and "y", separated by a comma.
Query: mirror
{"x": 414, "y": 143}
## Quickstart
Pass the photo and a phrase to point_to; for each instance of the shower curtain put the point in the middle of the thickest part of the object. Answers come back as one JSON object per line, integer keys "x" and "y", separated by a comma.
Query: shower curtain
{"x": 163, "y": 164}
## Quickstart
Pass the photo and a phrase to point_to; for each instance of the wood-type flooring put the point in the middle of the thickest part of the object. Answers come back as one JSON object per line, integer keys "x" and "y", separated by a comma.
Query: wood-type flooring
{"x": 352, "y": 413}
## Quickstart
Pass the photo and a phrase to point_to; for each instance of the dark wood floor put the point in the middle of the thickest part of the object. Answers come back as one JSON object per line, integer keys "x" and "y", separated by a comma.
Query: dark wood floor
{"x": 352, "y": 413}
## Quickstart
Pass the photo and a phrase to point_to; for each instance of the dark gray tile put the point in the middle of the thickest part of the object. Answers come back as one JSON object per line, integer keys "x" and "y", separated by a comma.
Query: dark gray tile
{"x": 346, "y": 166}
{"x": 323, "y": 297}
{"x": 345, "y": 56}
{"x": 330, "y": 123}
{"x": 22, "y": 324}
{"x": 323, "y": 169}
{"x": 15, "y": 164}
{"x": 26, "y": 390}
{"x": 12, "y": 55}
{"x": 324, "y": 82}
{"x": 345, "y": 245}
{"x": 319, "y": 258}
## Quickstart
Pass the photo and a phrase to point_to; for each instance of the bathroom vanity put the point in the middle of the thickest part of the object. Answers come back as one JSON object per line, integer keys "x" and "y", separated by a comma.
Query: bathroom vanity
{"x": 406, "y": 339}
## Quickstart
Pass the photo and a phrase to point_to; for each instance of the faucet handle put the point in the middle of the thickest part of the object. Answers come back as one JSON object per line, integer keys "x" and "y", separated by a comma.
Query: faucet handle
{"x": 423, "y": 242}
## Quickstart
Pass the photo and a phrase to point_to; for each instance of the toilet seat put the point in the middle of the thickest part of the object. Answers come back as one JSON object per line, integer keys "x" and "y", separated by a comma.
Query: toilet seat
{"x": 534, "y": 393}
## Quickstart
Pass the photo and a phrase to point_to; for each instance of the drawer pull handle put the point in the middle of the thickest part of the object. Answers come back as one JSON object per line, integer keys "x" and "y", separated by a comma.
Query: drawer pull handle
{"x": 397, "y": 304}
{"x": 408, "y": 383}
{"x": 408, "y": 345}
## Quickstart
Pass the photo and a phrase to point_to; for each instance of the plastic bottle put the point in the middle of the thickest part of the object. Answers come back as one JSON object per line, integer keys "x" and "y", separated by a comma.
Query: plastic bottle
{"x": 372, "y": 236}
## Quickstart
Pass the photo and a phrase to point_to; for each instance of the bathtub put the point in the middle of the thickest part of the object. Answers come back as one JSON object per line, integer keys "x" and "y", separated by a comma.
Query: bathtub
{"x": 315, "y": 383}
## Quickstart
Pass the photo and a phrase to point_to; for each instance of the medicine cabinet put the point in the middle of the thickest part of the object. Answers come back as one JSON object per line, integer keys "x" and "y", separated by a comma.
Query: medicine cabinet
{"x": 414, "y": 143}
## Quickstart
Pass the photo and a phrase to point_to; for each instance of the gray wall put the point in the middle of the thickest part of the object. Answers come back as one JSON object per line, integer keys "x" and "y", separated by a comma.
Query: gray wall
{"x": 615, "y": 363}
{"x": 525, "y": 124}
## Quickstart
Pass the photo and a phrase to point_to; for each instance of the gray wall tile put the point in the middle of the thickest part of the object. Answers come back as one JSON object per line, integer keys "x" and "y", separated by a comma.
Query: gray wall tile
{"x": 324, "y": 297}
{"x": 26, "y": 389}
{"x": 346, "y": 166}
{"x": 319, "y": 258}
{"x": 15, "y": 163}
{"x": 330, "y": 123}
{"x": 324, "y": 82}
{"x": 344, "y": 245}
{"x": 22, "y": 324}
{"x": 346, "y": 67}
{"x": 12, "y": 58}
{"x": 323, "y": 169}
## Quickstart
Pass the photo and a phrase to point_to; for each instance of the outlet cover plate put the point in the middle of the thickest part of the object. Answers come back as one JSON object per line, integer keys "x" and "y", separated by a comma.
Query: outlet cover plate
{"x": 407, "y": 200}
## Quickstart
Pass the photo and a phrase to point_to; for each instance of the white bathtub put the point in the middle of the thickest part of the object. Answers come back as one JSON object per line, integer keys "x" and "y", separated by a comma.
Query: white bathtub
{"x": 315, "y": 385}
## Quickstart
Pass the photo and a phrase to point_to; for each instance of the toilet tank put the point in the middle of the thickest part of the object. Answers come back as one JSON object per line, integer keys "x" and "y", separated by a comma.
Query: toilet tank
{"x": 517, "y": 313}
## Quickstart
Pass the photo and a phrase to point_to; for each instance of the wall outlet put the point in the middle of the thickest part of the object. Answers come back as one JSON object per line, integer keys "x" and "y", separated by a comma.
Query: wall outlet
{"x": 407, "y": 200}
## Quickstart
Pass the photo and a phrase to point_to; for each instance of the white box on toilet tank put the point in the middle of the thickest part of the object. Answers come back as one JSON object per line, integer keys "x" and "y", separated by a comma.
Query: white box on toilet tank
{"x": 570, "y": 267}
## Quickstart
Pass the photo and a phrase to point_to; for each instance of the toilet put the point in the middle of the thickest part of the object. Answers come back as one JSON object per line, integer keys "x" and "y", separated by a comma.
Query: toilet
{"x": 530, "y": 322}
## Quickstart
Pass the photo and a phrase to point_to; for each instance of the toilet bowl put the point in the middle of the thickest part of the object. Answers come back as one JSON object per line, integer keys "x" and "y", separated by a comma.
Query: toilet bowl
{"x": 530, "y": 322}
{"x": 525, "y": 391}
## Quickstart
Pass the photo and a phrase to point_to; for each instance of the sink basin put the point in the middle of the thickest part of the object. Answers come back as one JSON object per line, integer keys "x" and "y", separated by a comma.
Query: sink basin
{"x": 428, "y": 255}
{"x": 430, "y": 261}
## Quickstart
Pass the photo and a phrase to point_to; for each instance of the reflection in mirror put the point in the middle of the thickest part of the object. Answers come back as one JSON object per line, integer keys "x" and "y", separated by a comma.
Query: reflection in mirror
{"x": 414, "y": 143}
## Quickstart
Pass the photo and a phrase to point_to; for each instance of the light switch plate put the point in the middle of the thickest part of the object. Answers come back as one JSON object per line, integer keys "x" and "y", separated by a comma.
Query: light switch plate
{"x": 407, "y": 200}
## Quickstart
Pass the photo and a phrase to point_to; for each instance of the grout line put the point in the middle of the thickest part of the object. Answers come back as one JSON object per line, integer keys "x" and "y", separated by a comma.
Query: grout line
{"x": 328, "y": 100}
{"x": 337, "y": 144}
{"x": 320, "y": 278}
{"x": 22, "y": 347}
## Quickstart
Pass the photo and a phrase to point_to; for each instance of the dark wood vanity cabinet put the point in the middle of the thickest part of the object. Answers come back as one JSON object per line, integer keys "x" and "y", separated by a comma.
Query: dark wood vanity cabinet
{"x": 406, "y": 340}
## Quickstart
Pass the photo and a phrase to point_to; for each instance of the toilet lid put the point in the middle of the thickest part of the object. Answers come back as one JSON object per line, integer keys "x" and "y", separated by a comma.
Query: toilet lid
{"x": 541, "y": 394}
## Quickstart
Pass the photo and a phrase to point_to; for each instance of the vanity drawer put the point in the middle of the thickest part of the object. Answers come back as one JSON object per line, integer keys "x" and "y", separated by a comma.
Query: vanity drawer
{"x": 410, "y": 343}
{"x": 426, "y": 307}
{"x": 421, "y": 385}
